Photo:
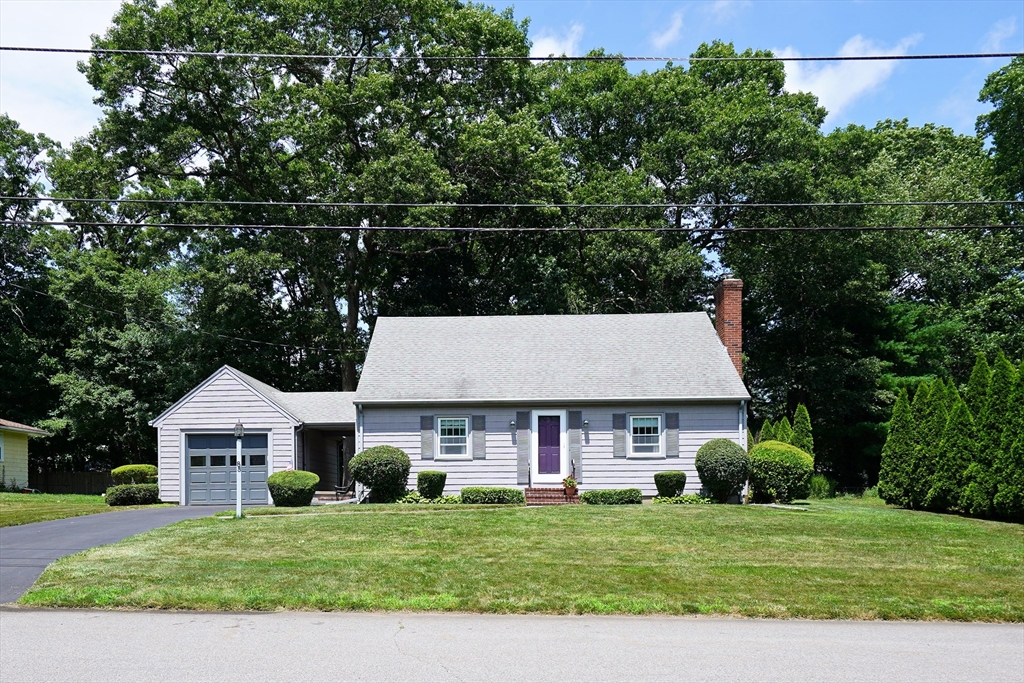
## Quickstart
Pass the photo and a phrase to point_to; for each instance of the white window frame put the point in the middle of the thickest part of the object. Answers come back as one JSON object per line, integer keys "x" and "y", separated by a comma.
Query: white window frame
{"x": 1, "y": 446}
{"x": 661, "y": 435}
{"x": 563, "y": 448}
{"x": 438, "y": 455}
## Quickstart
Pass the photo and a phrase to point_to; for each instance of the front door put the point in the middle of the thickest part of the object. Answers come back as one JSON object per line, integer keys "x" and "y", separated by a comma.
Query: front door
{"x": 549, "y": 451}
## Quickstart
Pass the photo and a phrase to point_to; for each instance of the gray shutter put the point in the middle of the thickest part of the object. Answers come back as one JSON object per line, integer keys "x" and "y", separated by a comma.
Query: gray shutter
{"x": 479, "y": 437}
{"x": 619, "y": 435}
{"x": 427, "y": 437}
{"x": 523, "y": 447}
{"x": 671, "y": 435}
{"x": 575, "y": 442}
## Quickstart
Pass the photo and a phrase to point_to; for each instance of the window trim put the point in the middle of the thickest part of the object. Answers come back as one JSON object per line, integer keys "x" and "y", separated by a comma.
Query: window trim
{"x": 438, "y": 455}
{"x": 2, "y": 444}
{"x": 660, "y": 455}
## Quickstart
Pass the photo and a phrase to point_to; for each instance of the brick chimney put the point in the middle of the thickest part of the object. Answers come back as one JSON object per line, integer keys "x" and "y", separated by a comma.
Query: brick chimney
{"x": 729, "y": 318}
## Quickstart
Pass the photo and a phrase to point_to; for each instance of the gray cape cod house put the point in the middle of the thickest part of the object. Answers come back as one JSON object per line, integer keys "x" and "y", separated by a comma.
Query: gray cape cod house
{"x": 520, "y": 401}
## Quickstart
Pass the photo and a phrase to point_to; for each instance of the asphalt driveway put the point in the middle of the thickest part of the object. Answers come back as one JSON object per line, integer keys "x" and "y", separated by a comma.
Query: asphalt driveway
{"x": 26, "y": 550}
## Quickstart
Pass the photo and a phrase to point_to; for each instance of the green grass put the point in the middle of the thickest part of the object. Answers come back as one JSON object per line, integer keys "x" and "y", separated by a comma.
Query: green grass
{"x": 25, "y": 508}
{"x": 843, "y": 558}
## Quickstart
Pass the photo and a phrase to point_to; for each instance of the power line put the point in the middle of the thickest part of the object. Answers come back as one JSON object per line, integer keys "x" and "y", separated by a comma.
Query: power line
{"x": 72, "y": 302}
{"x": 508, "y": 58}
{"x": 520, "y": 205}
{"x": 430, "y": 228}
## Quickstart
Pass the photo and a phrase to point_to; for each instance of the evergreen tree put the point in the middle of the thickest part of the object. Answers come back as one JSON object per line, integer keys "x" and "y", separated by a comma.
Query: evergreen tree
{"x": 976, "y": 392}
{"x": 1014, "y": 427}
{"x": 767, "y": 431}
{"x": 980, "y": 485}
{"x": 1008, "y": 468}
{"x": 931, "y": 427}
{"x": 750, "y": 439}
{"x": 803, "y": 437}
{"x": 917, "y": 409}
{"x": 958, "y": 449}
{"x": 897, "y": 453}
{"x": 783, "y": 431}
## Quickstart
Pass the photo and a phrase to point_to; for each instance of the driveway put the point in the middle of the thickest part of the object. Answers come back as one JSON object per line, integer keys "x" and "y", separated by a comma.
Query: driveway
{"x": 26, "y": 550}
{"x": 81, "y": 645}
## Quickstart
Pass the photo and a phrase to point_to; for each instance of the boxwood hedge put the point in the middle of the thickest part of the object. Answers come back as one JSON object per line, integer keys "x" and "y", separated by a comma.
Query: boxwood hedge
{"x": 384, "y": 470}
{"x": 133, "y": 494}
{"x": 723, "y": 467}
{"x": 670, "y": 484}
{"x": 292, "y": 488}
{"x": 613, "y": 497}
{"x": 492, "y": 495}
{"x": 134, "y": 474}
{"x": 779, "y": 472}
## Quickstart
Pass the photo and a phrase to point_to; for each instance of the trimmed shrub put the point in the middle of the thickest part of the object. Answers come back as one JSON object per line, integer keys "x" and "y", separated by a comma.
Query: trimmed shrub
{"x": 430, "y": 483}
{"x": 670, "y": 484}
{"x": 492, "y": 495}
{"x": 779, "y": 472}
{"x": 689, "y": 499}
{"x": 821, "y": 487}
{"x": 723, "y": 467}
{"x": 292, "y": 488}
{"x": 803, "y": 435}
{"x": 133, "y": 494}
{"x": 384, "y": 470}
{"x": 415, "y": 498}
{"x": 613, "y": 497}
{"x": 134, "y": 474}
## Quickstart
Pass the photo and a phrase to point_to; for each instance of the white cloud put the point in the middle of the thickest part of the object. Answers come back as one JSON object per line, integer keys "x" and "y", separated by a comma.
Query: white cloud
{"x": 661, "y": 40}
{"x": 839, "y": 84}
{"x": 1000, "y": 32}
{"x": 723, "y": 10}
{"x": 550, "y": 43}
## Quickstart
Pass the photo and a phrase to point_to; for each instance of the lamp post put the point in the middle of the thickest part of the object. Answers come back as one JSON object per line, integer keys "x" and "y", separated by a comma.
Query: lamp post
{"x": 239, "y": 433}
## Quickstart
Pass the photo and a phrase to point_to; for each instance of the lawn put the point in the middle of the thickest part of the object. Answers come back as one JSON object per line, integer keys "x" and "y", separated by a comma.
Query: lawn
{"x": 25, "y": 508}
{"x": 844, "y": 558}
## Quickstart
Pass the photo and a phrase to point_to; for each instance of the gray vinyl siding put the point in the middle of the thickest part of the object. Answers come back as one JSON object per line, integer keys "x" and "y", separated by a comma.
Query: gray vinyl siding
{"x": 698, "y": 424}
{"x": 215, "y": 409}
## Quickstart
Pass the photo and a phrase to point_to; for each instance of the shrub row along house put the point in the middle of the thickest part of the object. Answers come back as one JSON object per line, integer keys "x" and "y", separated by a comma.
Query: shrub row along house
{"x": 492, "y": 401}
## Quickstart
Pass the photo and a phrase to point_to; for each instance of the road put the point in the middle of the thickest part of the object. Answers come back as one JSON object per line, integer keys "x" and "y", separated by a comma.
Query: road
{"x": 26, "y": 550}
{"x": 51, "y": 645}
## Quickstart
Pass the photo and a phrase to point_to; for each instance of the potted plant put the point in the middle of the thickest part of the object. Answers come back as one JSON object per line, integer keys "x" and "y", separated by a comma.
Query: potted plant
{"x": 570, "y": 485}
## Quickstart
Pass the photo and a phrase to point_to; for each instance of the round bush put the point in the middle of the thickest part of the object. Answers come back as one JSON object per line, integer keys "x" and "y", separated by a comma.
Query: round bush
{"x": 133, "y": 494}
{"x": 430, "y": 483}
{"x": 134, "y": 474}
{"x": 384, "y": 470}
{"x": 292, "y": 488}
{"x": 670, "y": 484}
{"x": 779, "y": 472}
{"x": 723, "y": 467}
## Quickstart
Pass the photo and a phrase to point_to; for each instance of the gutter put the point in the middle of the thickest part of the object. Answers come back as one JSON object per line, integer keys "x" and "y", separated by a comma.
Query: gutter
{"x": 552, "y": 401}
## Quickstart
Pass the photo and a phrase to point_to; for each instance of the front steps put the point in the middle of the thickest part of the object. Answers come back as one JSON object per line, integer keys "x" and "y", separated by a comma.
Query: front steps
{"x": 550, "y": 496}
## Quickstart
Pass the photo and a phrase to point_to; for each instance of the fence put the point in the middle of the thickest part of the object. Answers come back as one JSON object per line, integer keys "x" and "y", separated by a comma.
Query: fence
{"x": 70, "y": 482}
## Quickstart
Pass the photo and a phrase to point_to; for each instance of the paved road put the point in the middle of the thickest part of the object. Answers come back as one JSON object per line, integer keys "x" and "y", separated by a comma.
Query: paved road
{"x": 26, "y": 550}
{"x": 49, "y": 645}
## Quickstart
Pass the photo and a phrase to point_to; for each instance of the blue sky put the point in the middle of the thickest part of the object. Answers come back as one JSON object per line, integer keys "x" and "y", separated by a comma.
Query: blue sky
{"x": 46, "y": 94}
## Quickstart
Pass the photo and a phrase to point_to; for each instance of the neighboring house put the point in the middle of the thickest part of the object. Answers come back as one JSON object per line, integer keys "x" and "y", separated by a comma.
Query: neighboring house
{"x": 14, "y": 451}
{"x": 492, "y": 400}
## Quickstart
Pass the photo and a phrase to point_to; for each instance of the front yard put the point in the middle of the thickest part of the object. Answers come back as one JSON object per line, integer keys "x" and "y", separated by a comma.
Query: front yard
{"x": 25, "y": 508}
{"x": 843, "y": 558}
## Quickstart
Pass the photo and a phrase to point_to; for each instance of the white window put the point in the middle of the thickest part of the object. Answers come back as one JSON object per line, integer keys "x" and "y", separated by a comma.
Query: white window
{"x": 453, "y": 438}
{"x": 645, "y": 435}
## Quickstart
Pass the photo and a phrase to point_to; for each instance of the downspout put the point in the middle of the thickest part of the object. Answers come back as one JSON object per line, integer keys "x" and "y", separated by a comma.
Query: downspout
{"x": 359, "y": 445}
{"x": 299, "y": 431}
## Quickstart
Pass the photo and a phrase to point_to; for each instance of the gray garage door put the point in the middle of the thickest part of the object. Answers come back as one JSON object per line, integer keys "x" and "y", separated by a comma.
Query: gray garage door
{"x": 210, "y": 475}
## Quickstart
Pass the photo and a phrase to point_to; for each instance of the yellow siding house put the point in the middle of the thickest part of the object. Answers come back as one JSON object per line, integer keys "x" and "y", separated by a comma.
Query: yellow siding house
{"x": 14, "y": 451}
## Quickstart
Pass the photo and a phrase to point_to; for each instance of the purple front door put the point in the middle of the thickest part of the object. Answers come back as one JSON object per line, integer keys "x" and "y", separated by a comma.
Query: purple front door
{"x": 549, "y": 452}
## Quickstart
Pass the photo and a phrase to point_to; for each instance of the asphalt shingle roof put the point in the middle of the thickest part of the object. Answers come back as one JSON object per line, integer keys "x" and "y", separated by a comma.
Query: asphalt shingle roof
{"x": 548, "y": 357}
{"x": 309, "y": 407}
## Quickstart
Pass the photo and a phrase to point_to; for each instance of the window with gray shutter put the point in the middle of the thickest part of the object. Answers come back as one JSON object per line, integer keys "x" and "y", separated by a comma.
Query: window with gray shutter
{"x": 427, "y": 437}
{"x": 619, "y": 435}
{"x": 479, "y": 437}
{"x": 671, "y": 435}
{"x": 576, "y": 442}
{"x": 523, "y": 447}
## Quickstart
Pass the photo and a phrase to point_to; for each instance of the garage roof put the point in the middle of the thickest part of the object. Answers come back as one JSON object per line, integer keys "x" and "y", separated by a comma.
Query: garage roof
{"x": 308, "y": 407}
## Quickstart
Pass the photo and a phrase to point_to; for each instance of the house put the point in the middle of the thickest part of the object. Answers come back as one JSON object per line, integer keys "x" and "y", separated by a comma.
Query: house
{"x": 492, "y": 400}
{"x": 14, "y": 451}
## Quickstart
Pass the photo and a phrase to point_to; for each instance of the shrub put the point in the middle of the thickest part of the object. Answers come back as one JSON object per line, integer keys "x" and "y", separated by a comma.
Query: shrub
{"x": 803, "y": 435}
{"x": 133, "y": 494}
{"x": 430, "y": 483}
{"x": 134, "y": 474}
{"x": 783, "y": 431}
{"x": 670, "y": 484}
{"x": 959, "y": 448}
{"x": 897, "y": 453}
{"x": 384, "y": 469}
{"x": 492, "y": 495}
{"x": 723, "y": 467}
{"x": 612, "y": 497}
{"x": 414, "y": 498}
{"x": 689, "y": 499}
{"x": 779, "y": 472}
{"x": 820, "y": 487}
{"x": 292, "y": 488}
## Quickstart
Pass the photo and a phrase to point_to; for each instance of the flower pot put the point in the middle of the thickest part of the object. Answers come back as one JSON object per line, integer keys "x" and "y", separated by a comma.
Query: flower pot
{"x": 570, "y": 491}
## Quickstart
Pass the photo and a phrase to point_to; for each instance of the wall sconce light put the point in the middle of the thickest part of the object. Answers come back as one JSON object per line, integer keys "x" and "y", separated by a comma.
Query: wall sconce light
{"x": 511, "y": 424}
{"x": 586, "y": 424}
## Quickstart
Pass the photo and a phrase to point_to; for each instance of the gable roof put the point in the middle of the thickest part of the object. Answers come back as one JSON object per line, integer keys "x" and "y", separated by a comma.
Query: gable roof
{"x": 655, "y": 356}
{"x": 11, "y": 426}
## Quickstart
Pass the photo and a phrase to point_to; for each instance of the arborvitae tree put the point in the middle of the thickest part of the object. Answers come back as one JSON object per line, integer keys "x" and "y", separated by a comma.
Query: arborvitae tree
{"x": 1014, "y": 427}
{"x": 1008, "y": 469}
{"x": 931, "y": 427}
{"x": 980, "y": 480}
{"x": 750, "y": 439}
{"x": 958, "y": 449}
{"x": 976, "y": 392}
{"x": 917, "y": 408}
{"x": 767, "y": 431}
{"x": 897, "y": 453}
{"x": 783, "y": 431}
{"x": 803, "y": 437}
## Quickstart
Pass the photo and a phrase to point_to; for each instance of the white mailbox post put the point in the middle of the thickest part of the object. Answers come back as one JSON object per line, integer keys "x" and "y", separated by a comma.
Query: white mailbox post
{"x": 239, "y": 433}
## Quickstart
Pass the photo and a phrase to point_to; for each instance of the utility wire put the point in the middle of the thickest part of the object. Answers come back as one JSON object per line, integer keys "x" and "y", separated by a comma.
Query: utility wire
{"x": 430, "y": 228}
{"x": 518, "y": 205}
{"x": 72, "y": 302}
{"x": 507, "y": 58}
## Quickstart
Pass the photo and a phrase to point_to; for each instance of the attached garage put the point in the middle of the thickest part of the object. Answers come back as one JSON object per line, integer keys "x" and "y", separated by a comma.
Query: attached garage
{"x": 211, "y": 472}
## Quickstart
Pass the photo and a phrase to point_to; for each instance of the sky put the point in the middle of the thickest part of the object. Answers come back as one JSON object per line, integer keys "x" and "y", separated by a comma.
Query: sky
{"x": 46, "y": 93}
